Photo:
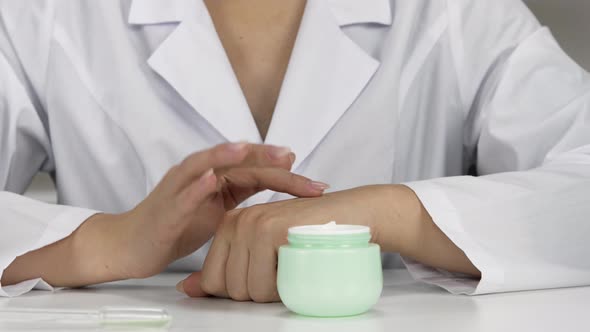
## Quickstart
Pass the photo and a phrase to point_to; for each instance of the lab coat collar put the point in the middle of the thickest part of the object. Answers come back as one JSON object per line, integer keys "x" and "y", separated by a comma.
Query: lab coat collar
{"x": 346, "y": 12}
{"x": 361, "y": 11}
{"x": 326, "y": 73}
{"x": 157, "y": 11}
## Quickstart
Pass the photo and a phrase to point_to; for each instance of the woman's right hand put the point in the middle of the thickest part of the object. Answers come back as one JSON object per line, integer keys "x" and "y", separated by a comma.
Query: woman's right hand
{"x": 183, "y": 211}
{"x": 175, "y": 219}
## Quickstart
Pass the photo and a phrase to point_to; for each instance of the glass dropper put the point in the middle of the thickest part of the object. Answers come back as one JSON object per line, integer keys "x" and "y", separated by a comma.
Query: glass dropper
{"x": 110, "y": 317}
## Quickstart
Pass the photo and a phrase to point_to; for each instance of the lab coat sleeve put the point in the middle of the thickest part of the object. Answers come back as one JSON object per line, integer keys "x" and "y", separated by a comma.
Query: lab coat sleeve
{"x": 525, "y": 221}
{"x": 25, "y": 224}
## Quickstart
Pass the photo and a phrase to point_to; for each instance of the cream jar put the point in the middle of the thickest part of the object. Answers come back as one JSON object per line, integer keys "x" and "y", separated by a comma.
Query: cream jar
{"x": 329, "y": 270}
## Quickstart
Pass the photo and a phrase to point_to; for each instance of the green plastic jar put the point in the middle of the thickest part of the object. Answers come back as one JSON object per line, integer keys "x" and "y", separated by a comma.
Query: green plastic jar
{"x": 329, "y": 270}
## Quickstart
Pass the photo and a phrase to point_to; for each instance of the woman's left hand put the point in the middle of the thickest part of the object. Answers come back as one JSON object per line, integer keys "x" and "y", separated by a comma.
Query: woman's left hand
{"x": 242, "y": 261}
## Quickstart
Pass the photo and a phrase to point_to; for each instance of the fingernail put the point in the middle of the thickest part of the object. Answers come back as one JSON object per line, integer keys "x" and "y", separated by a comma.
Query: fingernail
{"x": 208, "y": 177}
{"x": 207, "y": 174}
{"x": 237, "y": 147}
{"x": 278, "y": 152}
{"x": 180, "y": 287}
{"x": 292, "y": 157}
{"x": 320, "y": 186}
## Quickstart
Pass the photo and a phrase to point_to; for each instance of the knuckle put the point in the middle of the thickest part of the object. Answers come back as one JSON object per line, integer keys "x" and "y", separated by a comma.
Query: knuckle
{"x": 238, "y": 293}
{"x": 262, "y": 292}
{"x": 293, "y": 178}
{"x": 286, "y": 165}
{"x": 218, "y": 151}
{"x": 242, "y": 227}
{"x": 283, "y": 164}
{"x": 250, "y": 214}
{"x": 301, "y": 180}
{"x": 265, "y": 227}
{"x": 247, "y": 215}
{"x": 211, "y": 285}
{"x": 262, "y": 296}
{"x": 225, "y": 230}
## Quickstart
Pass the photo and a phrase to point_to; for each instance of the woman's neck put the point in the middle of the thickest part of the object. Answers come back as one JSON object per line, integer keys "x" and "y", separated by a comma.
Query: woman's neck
{"x": 258, "y": 37}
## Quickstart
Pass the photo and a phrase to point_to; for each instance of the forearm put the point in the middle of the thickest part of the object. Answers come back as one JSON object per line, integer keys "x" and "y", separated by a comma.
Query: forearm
{"x": 407, "y": 228}
{"x": 90, "y": 255}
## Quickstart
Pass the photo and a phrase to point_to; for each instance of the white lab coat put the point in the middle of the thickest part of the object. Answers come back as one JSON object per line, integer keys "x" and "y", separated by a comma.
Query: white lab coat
{"x": 108, "y": 95}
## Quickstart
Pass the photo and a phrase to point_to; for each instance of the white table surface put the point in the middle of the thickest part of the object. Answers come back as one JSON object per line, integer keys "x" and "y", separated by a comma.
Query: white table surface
{"x": 405, "y": 305}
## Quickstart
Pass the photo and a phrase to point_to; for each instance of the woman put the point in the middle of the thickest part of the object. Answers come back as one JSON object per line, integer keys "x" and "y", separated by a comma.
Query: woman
{"x": 396, "y": 104}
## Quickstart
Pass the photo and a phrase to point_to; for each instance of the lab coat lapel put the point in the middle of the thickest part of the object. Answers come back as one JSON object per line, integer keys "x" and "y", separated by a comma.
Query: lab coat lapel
{"x": 192, "y": 60}
{"x": 326, "y": 74}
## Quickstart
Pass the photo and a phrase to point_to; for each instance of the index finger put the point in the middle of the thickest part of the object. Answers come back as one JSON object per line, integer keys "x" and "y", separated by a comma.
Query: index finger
{"x": 231, "y": 155}
{"x": 261, "y": 155}
{"x": 254, "y": 180}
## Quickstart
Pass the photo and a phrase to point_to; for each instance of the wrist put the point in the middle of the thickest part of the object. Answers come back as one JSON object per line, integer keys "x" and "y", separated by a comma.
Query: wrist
{"x": 87, "y": 256}
{"x": 99, "y": 249}
{"x": 401, "y": 214}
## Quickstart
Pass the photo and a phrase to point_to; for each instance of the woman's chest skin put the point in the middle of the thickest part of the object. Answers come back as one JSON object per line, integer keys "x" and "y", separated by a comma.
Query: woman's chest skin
{"x": 258, "y": 38}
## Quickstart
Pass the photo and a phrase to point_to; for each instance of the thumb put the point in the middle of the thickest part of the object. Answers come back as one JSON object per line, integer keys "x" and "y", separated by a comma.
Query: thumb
{"x": 191, "y": 286}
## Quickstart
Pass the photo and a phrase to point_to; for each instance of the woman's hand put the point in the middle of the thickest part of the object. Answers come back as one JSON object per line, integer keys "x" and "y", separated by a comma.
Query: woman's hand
{"x": 183, "y": 211}
{"x": 242, "y": 261}
{"x": 177, "y": 218}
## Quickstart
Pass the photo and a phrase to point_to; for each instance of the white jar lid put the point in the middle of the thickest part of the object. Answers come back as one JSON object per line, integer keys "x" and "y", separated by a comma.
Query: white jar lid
{"x": 330, "y": 228}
